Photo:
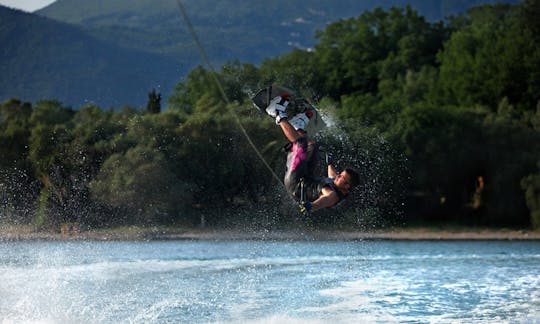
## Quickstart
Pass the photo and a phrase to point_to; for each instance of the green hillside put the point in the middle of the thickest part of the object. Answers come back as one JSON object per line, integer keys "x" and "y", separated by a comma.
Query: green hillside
{"x": 249, "y": 31}
{"x": 114, "y": 52}
{"x": 45, "y": 59}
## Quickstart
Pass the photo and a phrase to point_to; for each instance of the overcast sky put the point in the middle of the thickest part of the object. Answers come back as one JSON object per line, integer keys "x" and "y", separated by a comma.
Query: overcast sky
{"x": 26, "y": 5}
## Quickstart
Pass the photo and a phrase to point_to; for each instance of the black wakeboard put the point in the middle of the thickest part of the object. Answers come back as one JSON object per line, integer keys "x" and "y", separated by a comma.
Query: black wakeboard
{"x": 297, "y": 105}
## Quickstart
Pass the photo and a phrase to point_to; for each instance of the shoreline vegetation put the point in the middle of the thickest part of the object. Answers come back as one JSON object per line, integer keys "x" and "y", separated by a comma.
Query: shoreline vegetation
{"x": 440, "y": 119}
{"x": 137, "y": 233}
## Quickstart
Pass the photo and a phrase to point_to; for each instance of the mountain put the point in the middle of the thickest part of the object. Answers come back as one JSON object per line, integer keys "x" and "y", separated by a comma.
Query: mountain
{"x": 249, "y": 31}
{"x": 45, "y": 59}
{"x": 114, "y": 52}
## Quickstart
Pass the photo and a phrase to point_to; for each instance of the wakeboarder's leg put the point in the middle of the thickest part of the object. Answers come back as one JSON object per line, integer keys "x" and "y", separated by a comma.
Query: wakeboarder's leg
{"x": 297, "y": 163}
{"x": 289, "y": 131}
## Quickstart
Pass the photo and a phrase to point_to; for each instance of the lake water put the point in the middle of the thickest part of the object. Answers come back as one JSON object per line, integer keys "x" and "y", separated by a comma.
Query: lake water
{"x": 270, "y": 282}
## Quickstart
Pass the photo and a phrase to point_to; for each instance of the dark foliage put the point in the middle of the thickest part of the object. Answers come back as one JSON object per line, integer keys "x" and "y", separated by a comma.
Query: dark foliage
{"x": 441, "y": 120}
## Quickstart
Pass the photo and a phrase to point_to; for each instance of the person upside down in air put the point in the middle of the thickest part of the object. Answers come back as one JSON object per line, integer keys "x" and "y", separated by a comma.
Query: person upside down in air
{"x": 313, "y": 192}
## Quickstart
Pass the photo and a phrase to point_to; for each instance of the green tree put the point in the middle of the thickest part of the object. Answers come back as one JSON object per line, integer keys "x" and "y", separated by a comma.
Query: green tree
{"x": 354, "y": 55}
{"x": 49, "y": 139}
{"x": 14, "y": 131}
{"x": 154, "y": 102}
{"x": 511, "y": 150}
{"x": 67, "y": 148}
{"x": 531, "y": 186}
{"x": 186, "y": 94}
{"x": 492, "y": 58}
{"x": 141, "y": 184}
{"x": 443, "y": 146}
{"x": 18, "y": 189}
{"x": 239, "y": 80}
{"x": 138, "y": 179}
{"x": 296, "y": 69}
{"x": 93, "y": 135}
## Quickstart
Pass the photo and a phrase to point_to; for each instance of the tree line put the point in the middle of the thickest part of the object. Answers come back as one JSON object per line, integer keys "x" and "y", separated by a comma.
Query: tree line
{"x": 441, "y": 119}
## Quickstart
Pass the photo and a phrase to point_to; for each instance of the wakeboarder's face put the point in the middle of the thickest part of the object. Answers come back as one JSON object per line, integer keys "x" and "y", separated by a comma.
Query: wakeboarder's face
{"x": 343, "y": 182}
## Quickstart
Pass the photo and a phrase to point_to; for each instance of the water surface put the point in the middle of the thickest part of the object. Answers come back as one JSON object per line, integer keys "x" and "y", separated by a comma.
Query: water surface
{"x": 265, "y": 282}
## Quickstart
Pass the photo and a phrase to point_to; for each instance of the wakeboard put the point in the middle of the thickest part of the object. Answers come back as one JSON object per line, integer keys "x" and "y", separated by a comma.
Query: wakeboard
{"x": 297, "y": 105}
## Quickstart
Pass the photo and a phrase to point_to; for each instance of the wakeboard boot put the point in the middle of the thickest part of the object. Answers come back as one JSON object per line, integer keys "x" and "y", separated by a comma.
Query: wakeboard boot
{"x": 277, "y": 108}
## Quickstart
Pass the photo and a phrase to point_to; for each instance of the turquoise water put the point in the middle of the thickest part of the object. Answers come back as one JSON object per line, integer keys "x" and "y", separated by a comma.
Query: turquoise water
{"x": 270, "y": 282}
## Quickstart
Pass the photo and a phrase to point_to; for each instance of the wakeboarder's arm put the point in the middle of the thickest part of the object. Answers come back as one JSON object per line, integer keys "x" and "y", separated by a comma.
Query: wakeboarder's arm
{"x": 332, "y": 173}
{"x": 327, "y": 198}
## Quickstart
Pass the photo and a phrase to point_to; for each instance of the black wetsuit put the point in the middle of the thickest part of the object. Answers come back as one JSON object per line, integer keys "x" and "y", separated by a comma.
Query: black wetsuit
{"x": 301, "y": 162}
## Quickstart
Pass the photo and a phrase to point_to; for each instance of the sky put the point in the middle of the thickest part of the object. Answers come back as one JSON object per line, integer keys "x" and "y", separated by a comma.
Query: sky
{"x": 26, "y": 5}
